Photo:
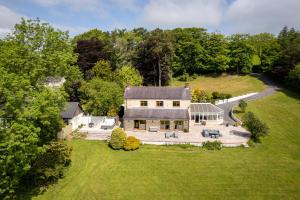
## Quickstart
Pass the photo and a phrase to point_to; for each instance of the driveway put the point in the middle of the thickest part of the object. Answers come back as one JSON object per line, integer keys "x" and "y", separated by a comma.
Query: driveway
{"x": 272, "y": 88}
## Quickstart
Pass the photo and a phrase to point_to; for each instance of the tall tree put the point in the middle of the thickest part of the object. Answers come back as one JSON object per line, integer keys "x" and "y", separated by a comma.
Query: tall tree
{"x": 289, "y": 40}
{"x": 266, "y": 48}
{"x": 29, "y": 110}
{"x": 128, "y": 75}
{"x": 190, "y": 51}
{"x": 89, "y": 53}
{"x": 217, "y": 52}
{"x": 100, "y": 97}
{"x": 125, "y": 44}
{"x": 36, "y": 50}
{"x": 241, "y": 53}
{"x": 153, "y": 59}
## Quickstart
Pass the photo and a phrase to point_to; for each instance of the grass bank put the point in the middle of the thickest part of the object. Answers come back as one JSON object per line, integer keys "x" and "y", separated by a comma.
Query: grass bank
{"x": 232, "y": 84}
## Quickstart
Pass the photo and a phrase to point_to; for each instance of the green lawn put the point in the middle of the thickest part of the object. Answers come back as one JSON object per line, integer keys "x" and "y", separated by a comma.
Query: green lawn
{"x": 270, "y": 170}
{"x": 232, "y": 84}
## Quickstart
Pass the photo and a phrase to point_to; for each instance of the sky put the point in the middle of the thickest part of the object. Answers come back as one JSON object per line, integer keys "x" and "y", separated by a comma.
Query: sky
{"x": 225, "y": 16}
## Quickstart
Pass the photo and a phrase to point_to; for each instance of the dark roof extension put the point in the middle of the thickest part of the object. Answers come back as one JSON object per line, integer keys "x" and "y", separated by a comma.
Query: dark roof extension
{"x": 171, "y": 114}
{"x": 205, "y": 108}
{"x": 70, "y": 110}
{"x": 178, "y": 93}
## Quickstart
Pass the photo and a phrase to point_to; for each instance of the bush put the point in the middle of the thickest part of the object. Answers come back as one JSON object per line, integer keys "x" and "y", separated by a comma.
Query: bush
{"x": 203, "y": 123}
{"x": 186, "y": 130}
{"x": 50, "y": 165}
{"x": 131, "y": 143}
{"x": 215, "y": 95}
{"x": 251, "y": 143}
{"x": 200, "y": 96}
{"x": 256, "y": 127}
{"x": 228, "y": 96}
{"x": 242, "y": 105}
{"x": 118, "y": 138}
{"x": 184, "y": 77}
{"x": 215, "y": 145}
{"x": 236, "y": 124}
{"x": 194, "y": 76}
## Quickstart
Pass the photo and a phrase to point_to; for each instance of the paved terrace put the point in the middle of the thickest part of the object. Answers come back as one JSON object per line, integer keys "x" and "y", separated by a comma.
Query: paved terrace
{"x": 231, "y": 136}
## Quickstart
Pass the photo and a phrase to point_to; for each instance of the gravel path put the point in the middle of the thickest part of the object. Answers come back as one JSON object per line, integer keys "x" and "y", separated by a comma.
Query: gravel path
{"x": 272, "y": 88}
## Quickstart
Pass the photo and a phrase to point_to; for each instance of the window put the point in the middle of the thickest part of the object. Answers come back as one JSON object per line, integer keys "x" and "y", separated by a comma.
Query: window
{"x": 165, "y": 125}
{"x": 176, "y": 103}
{"x": 144, "y": 103}
{"x": 159, "y": 103}
{"x": 178, "y": 125}
{"x": 140, "y": 124}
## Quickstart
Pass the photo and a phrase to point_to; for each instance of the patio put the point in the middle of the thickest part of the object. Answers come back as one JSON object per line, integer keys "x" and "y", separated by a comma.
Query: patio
{"x": 231, "y": 136}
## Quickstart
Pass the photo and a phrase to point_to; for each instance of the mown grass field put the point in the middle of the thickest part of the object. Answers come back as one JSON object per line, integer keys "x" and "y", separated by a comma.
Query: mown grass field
{"x": 270, "y": 170}
{"x": 232, "y": 84}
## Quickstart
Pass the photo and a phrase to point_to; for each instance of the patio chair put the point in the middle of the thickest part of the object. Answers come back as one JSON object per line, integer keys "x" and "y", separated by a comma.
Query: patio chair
{"x": 175, "y": 135}
{"x": 168, "y": 134}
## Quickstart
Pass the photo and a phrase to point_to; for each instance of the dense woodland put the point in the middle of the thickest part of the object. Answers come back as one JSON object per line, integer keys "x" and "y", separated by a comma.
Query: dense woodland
{"x": 97, "y": 67}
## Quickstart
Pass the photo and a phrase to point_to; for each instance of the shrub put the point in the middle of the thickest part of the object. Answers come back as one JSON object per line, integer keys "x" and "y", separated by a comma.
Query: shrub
{"x": 242, "y": 105}
{"x": 203, "y": 123}
{"x": 236, "y": 124}
{"x": 228, "y": 96}
{"x": 200, "y": 96}
{"x": 215, "y": 95}
{"x": 215, "y": 145}
{"x": 194, "y": 76}
{"x": 118, "y": 138}
{"x": 131, "y": 143}
{"x": 50, "y": 165}
{"x": 251, "y": 143}
{"x": 184, "y": 77}
{"x": 185, "y": 130}
{"x": 256, "y": 127}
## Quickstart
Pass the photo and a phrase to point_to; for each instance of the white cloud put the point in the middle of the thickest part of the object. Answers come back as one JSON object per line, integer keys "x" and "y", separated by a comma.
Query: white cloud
{"x": 73, "y": 30}
{"x": 179, "y": 13}
{"x": 8, "y": 19}
{"x": 87, "y": 5}
{"x": 91, "y": 5}
{"x": 254, "y": 16}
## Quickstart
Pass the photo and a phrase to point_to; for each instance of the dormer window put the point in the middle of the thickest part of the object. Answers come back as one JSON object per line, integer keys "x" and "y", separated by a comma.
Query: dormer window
{"x": 159, "y": 103}
{"x": 176, "y": 103}
{"x": 144, "y": 103}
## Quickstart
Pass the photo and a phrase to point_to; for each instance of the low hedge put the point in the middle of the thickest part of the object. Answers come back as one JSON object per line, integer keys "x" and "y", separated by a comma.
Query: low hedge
{"x": 215, "y": 145}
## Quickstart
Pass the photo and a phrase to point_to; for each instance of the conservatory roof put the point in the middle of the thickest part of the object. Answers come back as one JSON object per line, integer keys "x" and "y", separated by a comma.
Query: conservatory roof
{"x": 205, "y": 108}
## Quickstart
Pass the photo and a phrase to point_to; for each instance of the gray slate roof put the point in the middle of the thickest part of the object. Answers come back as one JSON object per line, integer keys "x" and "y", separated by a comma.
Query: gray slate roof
{"x": 177, "y": 93}
{"x": 205, "y": 108}
{"x": 70, "y": 110}
{"x": 171, "y": 114}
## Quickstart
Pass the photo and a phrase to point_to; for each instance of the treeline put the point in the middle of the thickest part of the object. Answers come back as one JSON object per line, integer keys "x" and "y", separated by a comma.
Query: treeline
{"x": 161, "y": 54}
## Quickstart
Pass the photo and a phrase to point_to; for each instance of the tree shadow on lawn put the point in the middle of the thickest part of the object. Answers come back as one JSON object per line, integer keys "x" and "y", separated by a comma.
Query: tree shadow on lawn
{"x": 241, "y": 134}
{"x": 28, "y": 191}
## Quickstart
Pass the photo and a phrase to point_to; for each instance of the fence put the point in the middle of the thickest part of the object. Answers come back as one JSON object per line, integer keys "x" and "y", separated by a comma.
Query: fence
{"x": 218, "y": 102}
